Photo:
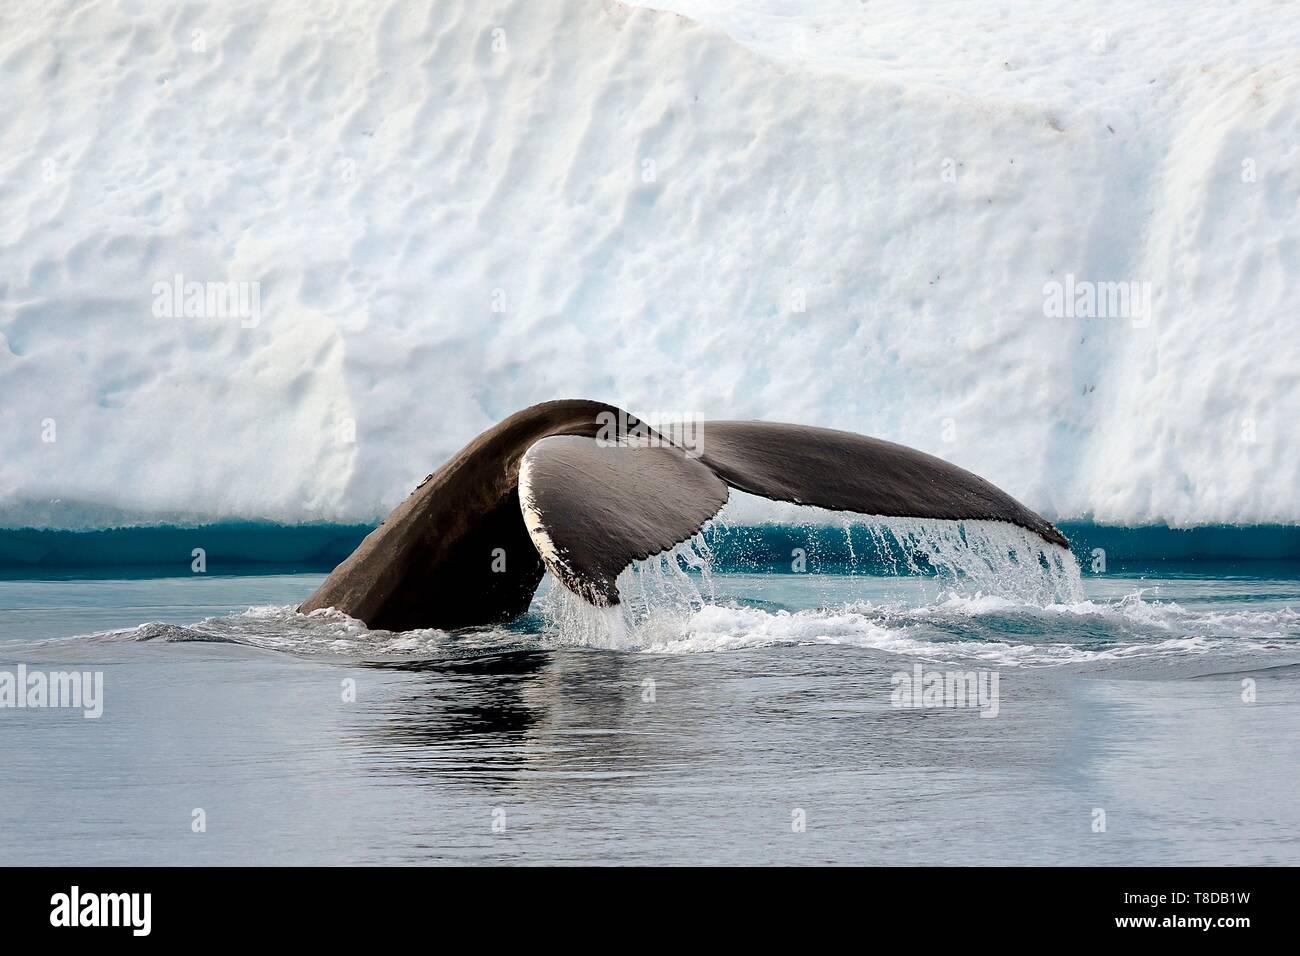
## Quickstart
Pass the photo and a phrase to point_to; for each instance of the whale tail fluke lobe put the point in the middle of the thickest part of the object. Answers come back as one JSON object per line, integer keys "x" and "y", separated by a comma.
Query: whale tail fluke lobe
{"x": 843, "y": 471}
{"x": 557, "y": 487}
{"x": 593, "y": 507}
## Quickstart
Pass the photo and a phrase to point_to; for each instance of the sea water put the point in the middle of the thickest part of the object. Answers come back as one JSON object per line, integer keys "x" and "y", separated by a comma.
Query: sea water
{"x": 720, "y": 713}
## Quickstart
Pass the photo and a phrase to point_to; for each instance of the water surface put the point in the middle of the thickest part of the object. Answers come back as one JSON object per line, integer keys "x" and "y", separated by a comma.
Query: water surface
{"x": 758, "y": 728}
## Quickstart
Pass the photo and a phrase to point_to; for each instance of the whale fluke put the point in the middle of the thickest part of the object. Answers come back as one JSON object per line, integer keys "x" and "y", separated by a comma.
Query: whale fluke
{"x": 456, "y": 552}
{"x": 843, "y": 471}
{"x": 583, "y": 489}
{"x": 593, "y": 508}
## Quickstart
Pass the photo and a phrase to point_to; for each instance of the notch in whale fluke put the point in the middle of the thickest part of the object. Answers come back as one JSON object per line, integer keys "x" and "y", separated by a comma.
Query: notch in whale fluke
{"x": 549, "y": 489}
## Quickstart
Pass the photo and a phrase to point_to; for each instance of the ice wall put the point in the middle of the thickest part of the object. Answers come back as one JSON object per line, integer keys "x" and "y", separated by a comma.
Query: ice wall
{"x": 825, "y": 212}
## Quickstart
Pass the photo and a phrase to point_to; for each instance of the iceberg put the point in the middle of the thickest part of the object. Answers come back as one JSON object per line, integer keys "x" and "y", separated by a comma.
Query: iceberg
{"x": 822, "y": 212}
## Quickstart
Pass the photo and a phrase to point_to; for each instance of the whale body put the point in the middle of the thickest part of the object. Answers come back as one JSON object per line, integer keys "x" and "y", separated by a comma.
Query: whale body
{"x": 583, "y": 489}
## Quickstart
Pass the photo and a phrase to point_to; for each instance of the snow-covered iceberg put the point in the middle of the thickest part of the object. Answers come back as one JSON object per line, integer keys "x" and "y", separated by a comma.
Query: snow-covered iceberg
{"x": 276, "y": 261}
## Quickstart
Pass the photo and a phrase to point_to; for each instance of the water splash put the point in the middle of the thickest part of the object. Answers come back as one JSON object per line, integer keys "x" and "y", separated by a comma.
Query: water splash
{"x": 970, "y": 559}
{"x": 993, "y": 558}
{"x": 658, "y": 596}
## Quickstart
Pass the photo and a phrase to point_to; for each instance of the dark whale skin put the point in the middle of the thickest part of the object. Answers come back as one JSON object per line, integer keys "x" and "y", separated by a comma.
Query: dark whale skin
{"x": 606, "y": 506}
{"x": 430, "y": 563}
{"x": 845, "y": 471}
{"x": 587, "y": 509}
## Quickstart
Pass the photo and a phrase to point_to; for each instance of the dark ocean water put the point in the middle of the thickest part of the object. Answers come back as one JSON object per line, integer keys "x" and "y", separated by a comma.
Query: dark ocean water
{"x": 1153, "y": 718}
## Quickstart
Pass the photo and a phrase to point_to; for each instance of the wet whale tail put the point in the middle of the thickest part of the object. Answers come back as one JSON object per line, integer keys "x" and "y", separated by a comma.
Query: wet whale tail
{"x": 583, "y": 489}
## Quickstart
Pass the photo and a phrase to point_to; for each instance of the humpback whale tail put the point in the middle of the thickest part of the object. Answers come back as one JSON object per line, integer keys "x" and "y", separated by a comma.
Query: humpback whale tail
{"x": 582, "y": 489}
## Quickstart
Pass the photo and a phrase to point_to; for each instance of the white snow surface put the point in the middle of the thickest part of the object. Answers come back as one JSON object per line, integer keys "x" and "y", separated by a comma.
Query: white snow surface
{"x": 831, "y": 212}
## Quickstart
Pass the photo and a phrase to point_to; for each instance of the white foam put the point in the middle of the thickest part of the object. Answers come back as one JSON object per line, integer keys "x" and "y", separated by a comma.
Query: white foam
{"x": 1132, "y": 629}
{"x": 971, "y": 558}
{"x": 992, "y": 630}
{"x": 990, "y": 571}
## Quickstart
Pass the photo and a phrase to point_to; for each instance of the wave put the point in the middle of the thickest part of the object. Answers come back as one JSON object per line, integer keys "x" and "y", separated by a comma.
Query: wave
{"x": 989, "y": 630}
{"x": 326, "y": 635}
{"x": 996, "y": 594}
